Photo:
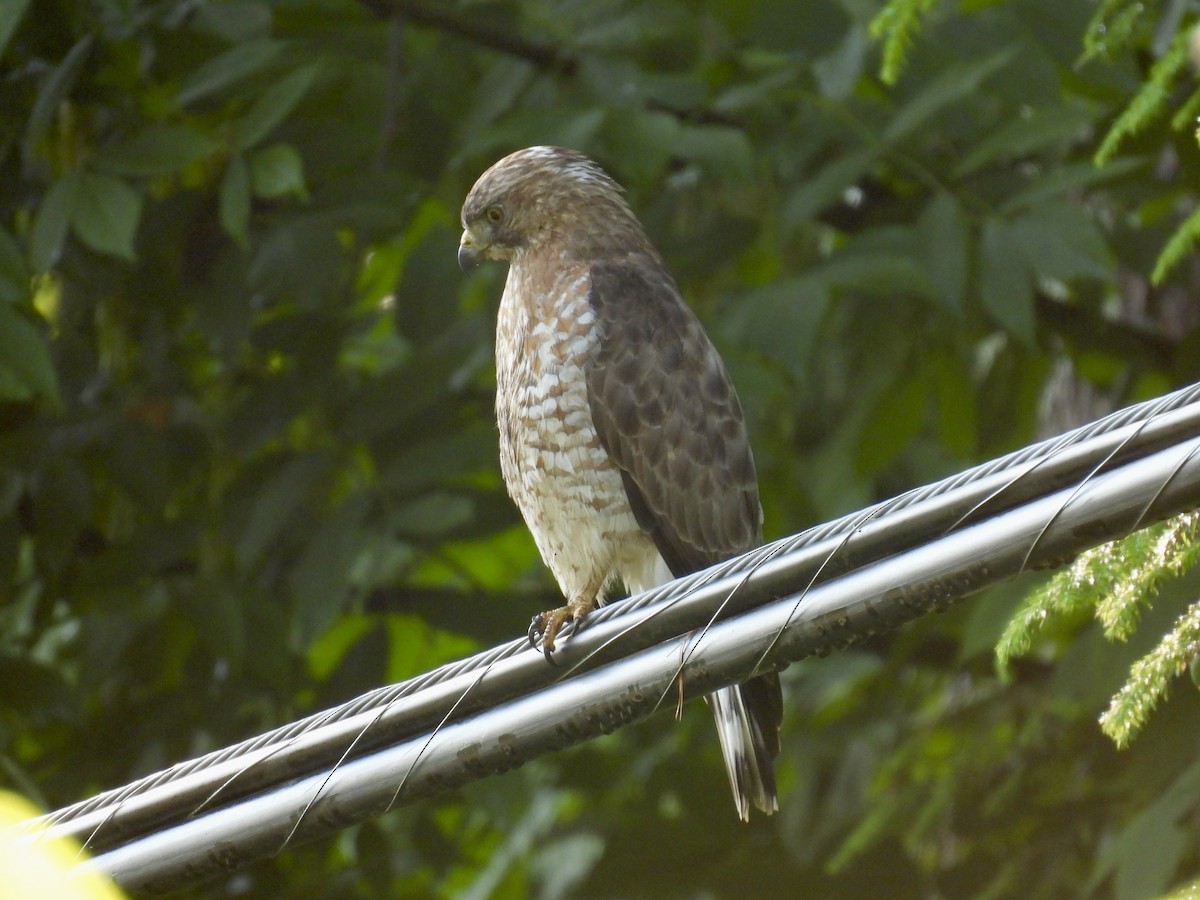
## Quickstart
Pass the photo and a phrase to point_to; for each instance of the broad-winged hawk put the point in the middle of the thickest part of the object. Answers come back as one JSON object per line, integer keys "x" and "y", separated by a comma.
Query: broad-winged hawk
{"x": 622, "y": 440}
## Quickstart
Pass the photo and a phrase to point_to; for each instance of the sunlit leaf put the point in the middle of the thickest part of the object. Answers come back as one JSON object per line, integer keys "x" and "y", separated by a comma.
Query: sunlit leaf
{"x": 416, "y": 648}
{"x": 277, "y": 171}
{"x": 327, "y": 652}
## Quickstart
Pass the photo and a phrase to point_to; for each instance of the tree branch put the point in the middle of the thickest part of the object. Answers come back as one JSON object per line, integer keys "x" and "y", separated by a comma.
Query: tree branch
{"x": 541, "y": 55}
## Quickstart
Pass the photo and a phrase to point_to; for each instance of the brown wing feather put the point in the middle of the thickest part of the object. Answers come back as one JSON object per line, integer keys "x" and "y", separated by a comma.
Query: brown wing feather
{"x": 668, "y": 416}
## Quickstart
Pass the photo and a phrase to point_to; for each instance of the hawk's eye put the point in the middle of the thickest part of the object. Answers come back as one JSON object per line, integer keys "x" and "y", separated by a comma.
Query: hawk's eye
{"x": 495, "y": 214}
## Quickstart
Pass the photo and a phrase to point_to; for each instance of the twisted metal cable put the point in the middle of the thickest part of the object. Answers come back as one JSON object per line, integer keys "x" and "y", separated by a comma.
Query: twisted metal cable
{"x": 838, "y": 611}
{"x": 389, "y": 714}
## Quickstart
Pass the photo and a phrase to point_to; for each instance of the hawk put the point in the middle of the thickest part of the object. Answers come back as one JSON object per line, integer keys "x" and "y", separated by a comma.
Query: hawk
{"x": 622, "y": 440}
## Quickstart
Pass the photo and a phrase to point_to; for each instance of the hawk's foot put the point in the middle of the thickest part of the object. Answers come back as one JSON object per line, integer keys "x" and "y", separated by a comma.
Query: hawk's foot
{"x": 547, "y": 625}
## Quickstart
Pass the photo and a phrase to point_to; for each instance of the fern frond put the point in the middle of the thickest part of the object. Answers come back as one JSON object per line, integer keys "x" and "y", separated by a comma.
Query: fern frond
{"x": 1150, "y": 677}
{"x": 1145, "y": 560}
{"x": 1129, "y": 588}
{"x": 1078, "y": 587}
{"x": 895, "y": 25}
{"x": 1111, "y": 28}
{"x": 1186, "y": 236}
{"x": 1186, "y": 114}
{"x": 1117, "y": 580}
{"x": 1150, "y": 101}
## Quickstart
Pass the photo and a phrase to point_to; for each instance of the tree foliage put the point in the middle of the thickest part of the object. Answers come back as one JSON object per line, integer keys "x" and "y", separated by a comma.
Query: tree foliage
{"x": 247, "y": 467}
{"x": 1118, "y": 581}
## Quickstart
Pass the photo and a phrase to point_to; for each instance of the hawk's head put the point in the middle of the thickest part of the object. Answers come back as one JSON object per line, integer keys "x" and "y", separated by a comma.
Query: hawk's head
{"x": 543, "y": 196}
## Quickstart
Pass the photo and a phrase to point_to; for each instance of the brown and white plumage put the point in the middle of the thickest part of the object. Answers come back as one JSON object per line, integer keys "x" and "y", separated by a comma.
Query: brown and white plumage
{"x": 622, "y": 440}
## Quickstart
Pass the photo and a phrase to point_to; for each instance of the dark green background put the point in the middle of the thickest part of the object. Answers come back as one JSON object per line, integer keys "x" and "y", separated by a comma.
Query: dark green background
{"x": 248, "y": 467}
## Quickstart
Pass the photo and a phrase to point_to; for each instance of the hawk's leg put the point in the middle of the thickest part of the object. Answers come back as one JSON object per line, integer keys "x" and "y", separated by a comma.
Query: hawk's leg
{"x": 547, "y": 625}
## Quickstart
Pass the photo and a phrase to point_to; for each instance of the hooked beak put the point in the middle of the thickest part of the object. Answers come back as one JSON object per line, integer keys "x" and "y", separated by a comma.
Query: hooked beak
{"x": 469, "y": 252}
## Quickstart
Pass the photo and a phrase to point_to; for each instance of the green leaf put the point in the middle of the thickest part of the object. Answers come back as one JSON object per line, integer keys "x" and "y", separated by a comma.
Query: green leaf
{"x": 942, "y": 232}
{"x": 158, "y": 149}
{"x": 1145, "y": 854}
{"x": 52, "y": 222}
{"x": 415, "y": 647}
{"x": 827, "y": 185}
{"x": 642, "y": 139}
{"x": 781, "y": 320}
{"x": 1047, "y": 127}
{"x": 235, "y": 199}
{"x": 278, "y": 171}
{"x": 63, "y": 498}
{"x": 433, "y": 515}
{"x": 957, "y": 405}
{"x": 717, "y": 149}
{"x": 1069, "y": 178}
{"x": 233, "y": 21}
{"x": 320, "y": 578}
{"x": 14, "y": 276}
{"x": 743, "y": 97}
{"x": 106, "y": 214}
{"x": 950, "y": 86}
{"x": 26, "y": 369}
{"x": 54, "y": 89}
{"x": 231, "y": 67}
{"x": 275, "y": 502}
{"x": 1061, "y": 241}
{"x": 874, "y": 269}
{"x": 1005, "y": 283}
{"x": 897, "y": 418}
{"x": 326, "y": 653}
{"x": 427, "y": 463}
{"x": 839, "y": 70}
{"x": 273, "y": 106}
{"x": 1151, "y": 853}
{"x": 11, "y": 13}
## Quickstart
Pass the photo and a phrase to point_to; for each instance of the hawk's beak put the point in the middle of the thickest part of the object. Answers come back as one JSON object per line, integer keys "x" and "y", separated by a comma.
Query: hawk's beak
{"x": 469, "y": 252}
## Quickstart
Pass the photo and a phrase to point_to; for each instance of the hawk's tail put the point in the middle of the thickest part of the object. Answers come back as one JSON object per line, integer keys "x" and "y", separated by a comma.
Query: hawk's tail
{"x": 748, "y": 718}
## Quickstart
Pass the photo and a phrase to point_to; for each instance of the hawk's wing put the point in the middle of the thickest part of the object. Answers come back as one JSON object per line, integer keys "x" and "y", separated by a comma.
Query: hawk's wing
{"x": 667, "y": 414}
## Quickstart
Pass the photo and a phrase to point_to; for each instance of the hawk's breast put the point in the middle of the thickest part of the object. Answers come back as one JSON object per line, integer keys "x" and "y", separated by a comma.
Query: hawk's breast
{"x": 557, "y": 471}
